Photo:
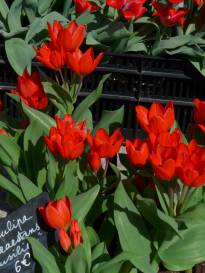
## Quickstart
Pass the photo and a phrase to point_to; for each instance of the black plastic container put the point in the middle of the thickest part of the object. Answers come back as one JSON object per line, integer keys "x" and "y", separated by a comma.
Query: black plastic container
{"x": 135, "y": 79}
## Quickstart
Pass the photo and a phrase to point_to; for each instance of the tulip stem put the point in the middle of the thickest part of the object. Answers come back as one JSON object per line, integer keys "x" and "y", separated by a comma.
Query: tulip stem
{"x": 106, "y": 167}
{"x": 183, "y": 197}
{"x": 62, "y": 78}
{"x": 56, "y": 77}
{"x": 171, "y": 199}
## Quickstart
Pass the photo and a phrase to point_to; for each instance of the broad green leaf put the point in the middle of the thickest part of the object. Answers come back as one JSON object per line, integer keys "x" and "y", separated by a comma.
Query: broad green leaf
{"x": 100, "y": 255}
{"x": 10, "y": 148}
{"x": 110, "y": 118}
{"x": 69, "y": 184}
{"x": 86, "y": 18}
{"x": 29, "y": 189}
{"x": 42, "y": 119}
{"x": 30, "y": 7}
{"x": 43, "y": 257}
{"x": 3, "y": 9}
{"x": 89, "y": 100}
{"x": 14, "y": 15}
{"x": 44, "y": 6}
{"x": 134, "y": 236}
{"x": 77, "y": 261}
{"x": 12, "y": 188}
{"x": 19, "y": 54}
{"x": 52, "y": 171}
{"x": 66, "y": 7}
{"x": 32, "y": 135}
{"x": 83, "y": 202}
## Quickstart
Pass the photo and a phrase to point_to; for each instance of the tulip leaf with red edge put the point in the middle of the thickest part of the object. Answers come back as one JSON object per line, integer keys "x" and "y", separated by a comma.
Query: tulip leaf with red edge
{"x": 83, "y": 202}
{"x": 43, "y": 120}
{"x": 89, "y": 100}
{"x": 29, "y": 189}
{"x": 69, "y": 184}
{"x": 43, "y": 257}
{"x": 134, "y": 236}
{"x": 12, "y": 188}
{"x": 19, "y": 54}
{"x": 77, "y": 261}
{"x": 110, "y": 119}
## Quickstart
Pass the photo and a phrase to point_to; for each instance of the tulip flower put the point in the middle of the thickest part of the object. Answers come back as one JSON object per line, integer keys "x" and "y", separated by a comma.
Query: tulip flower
{"x": 67, "y": 140}
{"x": 82, "y": 6}
{"x": 137, "y": 152}
{"x": 191, "y": 170}
{"x": 157, "y": 119}
{"x": 71, "y": 37}
{"x": 64, "y": 240}
{"x": 176, "y": 1}
{"x": 104, "y": 145}
{"x": 128, "y": 8}
{"x": 54, "y": 31}
{"x": 168, "y": 15}
{"x": 57, "y": 214}
{"x": 199, "y": 113}
{"x": 30, "y": 90}
{"x": 83, "y": 63}
{"x": 94, "y": 161}
{"x": 75, "y": 233}
{"x": 51, "y": 57}
{"x": 164, "y": 154}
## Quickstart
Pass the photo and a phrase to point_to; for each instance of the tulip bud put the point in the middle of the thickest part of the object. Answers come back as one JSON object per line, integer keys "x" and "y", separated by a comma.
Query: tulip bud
{"x": 64, "y": 240}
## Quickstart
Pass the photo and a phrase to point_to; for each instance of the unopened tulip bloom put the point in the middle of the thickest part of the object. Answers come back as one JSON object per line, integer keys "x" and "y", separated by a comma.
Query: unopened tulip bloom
{"x": 83, "y": 63}
{"x": 67, "y": 140}
{"x": 106, "y": 146}
{"x": 64, "y": 240}
{"x": 137, "y": 152}
{"x": 30, "y": 90}
{"x": 82, "y": 6}
{"x": 157, "y": 119}
{"x": 57, "y": 214}
{"x": 199, "y": 114}
{"x": 94, "y": 161}
{"x": 75, "y": 233}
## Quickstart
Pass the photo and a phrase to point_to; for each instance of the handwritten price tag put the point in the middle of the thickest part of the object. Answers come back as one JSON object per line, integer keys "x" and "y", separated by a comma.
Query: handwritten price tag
{"x": 15, "y": 252}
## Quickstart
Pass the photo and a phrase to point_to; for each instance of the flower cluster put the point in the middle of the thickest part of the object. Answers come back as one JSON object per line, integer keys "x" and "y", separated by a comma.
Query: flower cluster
{"x": 58, "y": 215}
{"x": 64, "y": 49}
{"x": 165, "y": 150}
{"x": 170, "y": 13}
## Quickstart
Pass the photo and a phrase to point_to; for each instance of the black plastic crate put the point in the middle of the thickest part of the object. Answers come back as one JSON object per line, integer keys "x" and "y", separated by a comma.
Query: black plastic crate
{"x": 135, "y": 79}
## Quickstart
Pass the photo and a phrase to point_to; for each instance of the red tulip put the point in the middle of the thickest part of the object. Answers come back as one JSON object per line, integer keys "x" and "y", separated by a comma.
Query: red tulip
{"x": 71, "y": 37}
{"x": 168, "y": 15}
{"x": 75, "y": 233}
{"x": 176, "y": 1}
{"x": 67, "y": 140}
{"x": 157, "y": 119}
{"x": 4, "y": 133}
{"x": 137, "y": 152}
{"x": 54, "y": 31}
{"x": 199, "y": 114}
{"x": 30, "y": 90}
{"x": 82, "y": 6}
{"x": 57, "y": 214}
{"x": 94, "y": 161}
{"x": 106, "y": 146}
{"x": 164, "y": 154}
{"x": 83, "y": 63}
{"x": 50, "y": 56}
{"x": 128, "y": 8}
{"x": 191, "y": 170}
{"x": 64, "y": 240}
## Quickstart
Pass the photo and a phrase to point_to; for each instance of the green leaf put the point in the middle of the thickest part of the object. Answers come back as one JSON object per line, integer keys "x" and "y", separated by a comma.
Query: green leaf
{"x": 12, "y": 188}
{"x": 52, "y": 171}
{"x": 19, "y": 54}
{"x": 134, "y": 236}
{"x": 66, "y": 7}
{"x": 30, "y": 7}
{"x": 69, "y": 185}
{"x": 83, "y": 202}
{"x": 14, "y": 15}
{"x": 30, "y": 190}
{"x": 110, "y": 118}
{"x": 43, "y": 257}
{"x": 3, "y": 9}
{"x": 10, "y": 148}
{"x": 44, "y": 6}
{"x": 77, "y": 261}
{"x": 89, "y": 100}
{"x": 42, "y": 119}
